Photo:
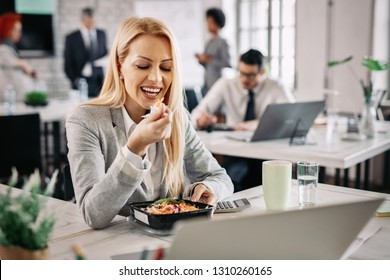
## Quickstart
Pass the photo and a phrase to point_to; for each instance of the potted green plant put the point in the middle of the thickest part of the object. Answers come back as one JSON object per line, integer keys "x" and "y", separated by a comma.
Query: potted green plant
{"x": 36, "y": 98}
{"x": 367, "y": 121}
{"x": 25, "y": 223}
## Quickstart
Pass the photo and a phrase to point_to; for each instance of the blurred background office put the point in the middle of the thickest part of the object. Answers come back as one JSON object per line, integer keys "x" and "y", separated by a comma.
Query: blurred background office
{"x": 298, "y": 37}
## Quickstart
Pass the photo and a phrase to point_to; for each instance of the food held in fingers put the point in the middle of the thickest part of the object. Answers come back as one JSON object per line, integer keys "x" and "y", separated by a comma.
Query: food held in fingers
{"x": 157, "y": 106}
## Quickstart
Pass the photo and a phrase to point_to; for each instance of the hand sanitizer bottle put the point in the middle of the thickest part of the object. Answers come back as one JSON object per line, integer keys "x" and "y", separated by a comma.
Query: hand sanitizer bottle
{"x": 83, "y": 89}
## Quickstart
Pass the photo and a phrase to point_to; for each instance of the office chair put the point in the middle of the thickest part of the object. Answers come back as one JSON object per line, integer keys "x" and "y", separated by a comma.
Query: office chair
{"x": 68, "y": 184}
{"x": 20, "y": 145}
{"x": 193, "y": 97}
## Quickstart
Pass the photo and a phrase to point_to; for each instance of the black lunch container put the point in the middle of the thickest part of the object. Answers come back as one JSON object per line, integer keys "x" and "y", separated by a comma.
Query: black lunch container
{"x": 166, "y": 221}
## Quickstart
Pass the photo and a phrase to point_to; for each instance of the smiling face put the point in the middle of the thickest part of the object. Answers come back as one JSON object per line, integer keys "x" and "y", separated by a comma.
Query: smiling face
{"x": 147, "y": 73}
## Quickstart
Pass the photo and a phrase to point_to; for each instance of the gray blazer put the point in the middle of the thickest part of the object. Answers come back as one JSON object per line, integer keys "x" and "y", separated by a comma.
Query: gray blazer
{"x": 104, "y": 180}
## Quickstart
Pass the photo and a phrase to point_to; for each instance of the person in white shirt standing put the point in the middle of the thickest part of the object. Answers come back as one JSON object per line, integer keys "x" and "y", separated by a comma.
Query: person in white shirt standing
{"x": 244, "y": 100}
{"x": 85, "y": 54}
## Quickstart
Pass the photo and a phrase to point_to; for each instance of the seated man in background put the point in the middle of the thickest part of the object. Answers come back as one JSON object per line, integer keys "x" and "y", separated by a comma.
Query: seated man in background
{"x": 244, "y": 99}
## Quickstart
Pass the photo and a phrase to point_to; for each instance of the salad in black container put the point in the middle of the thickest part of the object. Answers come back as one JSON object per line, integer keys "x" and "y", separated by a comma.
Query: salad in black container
{"x": 163, "y": 213}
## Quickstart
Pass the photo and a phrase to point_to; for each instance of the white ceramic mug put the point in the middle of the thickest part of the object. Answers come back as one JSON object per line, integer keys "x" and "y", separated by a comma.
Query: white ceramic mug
{"x": 276, "y": 184}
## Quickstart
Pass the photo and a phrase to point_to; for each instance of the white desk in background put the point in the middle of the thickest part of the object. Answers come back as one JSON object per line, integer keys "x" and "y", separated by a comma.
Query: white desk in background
{"x": 339, "y": 154}
{"x": 54, "y": 111}
{"x": 123, "y": 237}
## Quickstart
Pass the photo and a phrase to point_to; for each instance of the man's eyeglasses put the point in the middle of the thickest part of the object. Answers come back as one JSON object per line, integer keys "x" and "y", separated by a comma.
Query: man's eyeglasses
{"x": 248, "y": 75}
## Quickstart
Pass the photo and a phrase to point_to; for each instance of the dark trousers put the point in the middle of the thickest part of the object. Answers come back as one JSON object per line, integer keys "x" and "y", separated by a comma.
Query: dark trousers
{"x": 95, "y": 82}
{"x": 244, "y": 172}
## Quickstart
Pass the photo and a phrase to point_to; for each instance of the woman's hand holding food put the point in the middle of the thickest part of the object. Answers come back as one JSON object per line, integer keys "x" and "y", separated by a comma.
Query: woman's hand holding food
{"x": 155, "y": 127}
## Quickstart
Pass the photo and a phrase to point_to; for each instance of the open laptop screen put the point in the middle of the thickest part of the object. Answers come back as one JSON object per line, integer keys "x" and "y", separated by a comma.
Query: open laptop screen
{"x": 283, "y": 120}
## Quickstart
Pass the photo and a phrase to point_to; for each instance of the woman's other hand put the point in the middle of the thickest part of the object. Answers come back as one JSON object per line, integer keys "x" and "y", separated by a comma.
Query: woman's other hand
{"x": 203, "y": 194}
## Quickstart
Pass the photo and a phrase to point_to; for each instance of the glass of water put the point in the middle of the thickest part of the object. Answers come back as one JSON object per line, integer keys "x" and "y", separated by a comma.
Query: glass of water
{"x": 307, "y": 176}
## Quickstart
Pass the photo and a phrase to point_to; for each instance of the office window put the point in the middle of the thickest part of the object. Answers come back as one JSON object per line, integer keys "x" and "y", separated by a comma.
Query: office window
{"x": 269, "y": 25}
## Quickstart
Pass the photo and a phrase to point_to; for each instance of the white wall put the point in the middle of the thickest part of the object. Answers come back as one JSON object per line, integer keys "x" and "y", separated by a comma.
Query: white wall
{"x": 350, "y": 25}
{"x": 352, "y": 35}
{"x": 310, "y": 46}
{"x": 381, "y": 39}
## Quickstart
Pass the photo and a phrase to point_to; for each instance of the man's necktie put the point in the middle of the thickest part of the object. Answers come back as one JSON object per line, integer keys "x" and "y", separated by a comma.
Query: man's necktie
{"x": 92, "y": 47}
{"x": 250, "y": 109}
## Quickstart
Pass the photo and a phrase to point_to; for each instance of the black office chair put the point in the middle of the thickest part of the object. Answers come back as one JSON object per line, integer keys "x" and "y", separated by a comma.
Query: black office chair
{"x": 20, "y": 145}
{"x": 68, "y": 184}
{"x": 193, "y": 97}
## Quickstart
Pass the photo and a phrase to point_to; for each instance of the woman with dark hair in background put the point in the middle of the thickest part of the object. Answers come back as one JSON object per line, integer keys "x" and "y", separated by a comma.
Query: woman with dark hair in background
{"x": 13, "y": 70}
{"x": 216, "y": 54}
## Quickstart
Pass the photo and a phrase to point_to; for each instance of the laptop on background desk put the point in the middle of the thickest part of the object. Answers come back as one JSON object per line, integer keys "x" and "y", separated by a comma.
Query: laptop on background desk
{"x": 312, "y": 233}
{"x": 282, "y": 121}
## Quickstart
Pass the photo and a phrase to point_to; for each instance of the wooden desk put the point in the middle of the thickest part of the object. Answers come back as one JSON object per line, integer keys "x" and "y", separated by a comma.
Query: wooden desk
{"x": 123, "y": 237}
{"x": 338, "y": 153}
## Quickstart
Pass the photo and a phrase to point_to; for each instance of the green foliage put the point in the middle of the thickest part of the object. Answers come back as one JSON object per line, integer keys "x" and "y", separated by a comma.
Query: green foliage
{"x": 168, "y": 200}
{"x": 24, "y": 221}
{"x": 371, "y": 65}
{"x": 36, "y": 97}
{"x": 374, "y": 65}
{"x": 338, "y": 62}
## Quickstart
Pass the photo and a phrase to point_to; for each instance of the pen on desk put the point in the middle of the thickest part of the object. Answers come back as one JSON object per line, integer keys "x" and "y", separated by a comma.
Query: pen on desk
{"x": 78, "y": 252}
{"x": 159, "y": 254}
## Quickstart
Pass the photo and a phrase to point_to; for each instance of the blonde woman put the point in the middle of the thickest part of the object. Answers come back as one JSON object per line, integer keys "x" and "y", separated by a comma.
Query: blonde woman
{"x": 121, "y": 152}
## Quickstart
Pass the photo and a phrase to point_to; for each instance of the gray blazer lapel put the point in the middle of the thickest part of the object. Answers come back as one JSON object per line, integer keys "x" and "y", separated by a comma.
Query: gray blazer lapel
{"x": 119, "y": 125}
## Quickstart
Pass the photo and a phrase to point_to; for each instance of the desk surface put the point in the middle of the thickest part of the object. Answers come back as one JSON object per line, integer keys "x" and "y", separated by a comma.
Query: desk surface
{"x": 123, "y": 237}
{"x": 337, "y": 154}
{"x": 56, "y": 109}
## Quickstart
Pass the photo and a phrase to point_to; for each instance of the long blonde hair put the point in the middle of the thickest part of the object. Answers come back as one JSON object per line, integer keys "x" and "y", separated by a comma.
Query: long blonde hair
{"x": 113, "y": 93}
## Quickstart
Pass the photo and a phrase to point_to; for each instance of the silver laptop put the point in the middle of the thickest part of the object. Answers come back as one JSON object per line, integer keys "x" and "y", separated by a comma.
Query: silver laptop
{"x": 282, "y": 121}
{"x": 312, "y": 233}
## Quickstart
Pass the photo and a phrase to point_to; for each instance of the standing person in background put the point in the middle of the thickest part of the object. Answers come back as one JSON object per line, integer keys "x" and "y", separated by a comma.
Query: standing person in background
{"x": 13, "y": 70}
{"x": 216, "y": 54}
{"x": 245, "y": 99}
{"x": 84, "y": 54}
